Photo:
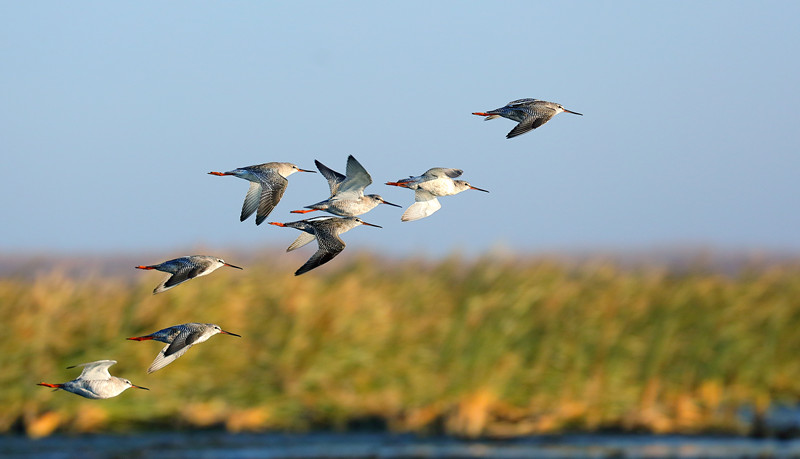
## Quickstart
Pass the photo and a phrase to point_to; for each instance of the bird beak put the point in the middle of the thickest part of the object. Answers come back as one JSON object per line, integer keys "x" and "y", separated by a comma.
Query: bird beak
{"x": 397, "y": 184}
{"x": 370, "y": 224}
{"x": 229, "y": 333}
{"x": 313, "y": 172}
{"x": 232, "y": 266}
{"x": 139, "y": 387}
{"x": 574, "y": 113}
{"x": 479, "y": 189}
{"x": 276, "y": 224}
{"x": 386, "y": 202}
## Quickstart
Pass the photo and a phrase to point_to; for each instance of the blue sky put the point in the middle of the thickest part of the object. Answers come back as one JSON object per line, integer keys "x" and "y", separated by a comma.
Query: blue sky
{"x": 113, "y": 113}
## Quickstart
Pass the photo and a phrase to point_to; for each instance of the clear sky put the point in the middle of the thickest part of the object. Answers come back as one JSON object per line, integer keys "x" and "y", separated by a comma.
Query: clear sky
{"x": 112, "y": 113}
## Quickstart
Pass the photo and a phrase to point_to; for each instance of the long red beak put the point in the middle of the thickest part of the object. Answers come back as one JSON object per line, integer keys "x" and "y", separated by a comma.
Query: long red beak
{"x": 397, "y": 184}
{"x": 139, "y": 387}
{"x": 229, "y": 333}
{"x": 144, "y": 267}
{"x": 232, "y": 266}
{"x": 574, "y": 113}
{"x": 480, "y": 113}
{"x": 479, "y": 189}
{"x": 276, "y": 224}
{"x": 370, "y": 224}
{"x": 305, "y": 170}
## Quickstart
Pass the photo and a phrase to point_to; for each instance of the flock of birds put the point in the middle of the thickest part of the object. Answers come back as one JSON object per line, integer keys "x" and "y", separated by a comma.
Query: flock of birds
{"x": 347, "y": 200}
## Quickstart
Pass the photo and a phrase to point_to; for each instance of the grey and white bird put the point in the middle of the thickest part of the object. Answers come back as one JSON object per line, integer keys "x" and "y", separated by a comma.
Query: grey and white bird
{"x": 179, "y": 339}
{"x": 326, "y": 231}
{"x": 186, "y": 268}
{"x": 435, "y": 182}
{"x": 95, "y": 381}
{"x": 529, "y": 113}
{"x": 347, "y": 197}
{"x": 267, "y": 185}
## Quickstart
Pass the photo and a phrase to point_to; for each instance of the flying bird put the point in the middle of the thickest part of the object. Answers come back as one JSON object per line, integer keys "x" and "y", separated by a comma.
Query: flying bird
{"x": 347, "y": 197}
{"x": 326, "y": 231}
{"x": 185, "y": 268}
{"x": 267, "y": 184}
{"x": 529, "y": 113}
{"x": 95, "y": 381}
{"x": 435, "y": 182}
{"x": 179, "y": 339}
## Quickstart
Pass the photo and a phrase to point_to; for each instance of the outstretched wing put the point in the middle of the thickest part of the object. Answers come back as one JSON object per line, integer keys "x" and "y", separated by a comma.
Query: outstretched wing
{"x": 526, "y": 125}
{"x": 186, "y": 272}
{"x": 334, "y": 178}
{"x": 438, "y": 172}
{"x": 175, "y": 349}
{"x": 251, "y": 201}
{"x": 301, "y": 240}
{"x": 330, "y": 245}
{"x": 273, "y": 185}
{"x": 93, "y": 371}
{"x": 357, "y": 179}
{"x": 425, "y": 205}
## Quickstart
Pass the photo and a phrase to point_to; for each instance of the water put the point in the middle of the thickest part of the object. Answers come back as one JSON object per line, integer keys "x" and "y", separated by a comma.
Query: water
{"x": 199, "y": 445}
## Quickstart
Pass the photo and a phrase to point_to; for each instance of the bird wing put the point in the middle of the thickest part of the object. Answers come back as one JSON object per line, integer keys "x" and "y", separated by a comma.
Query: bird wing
{"x": 425, "y": 205}
{"x": 251, "y": 201}
{"x": 187, "y": 271}
{"x": 528, "y": 124}
{"x": 334, "y": 178}
{"x": 438, "y": 172}
{"x": 301, "y": 240}
{"x": 330, "y": 245}
{"x": 175, "y": 349}
{"x": 357, "y": 178}
{"x": 518, "y": 102}
{"x": 273, "y": 186}
{"x": 93, "y": 371}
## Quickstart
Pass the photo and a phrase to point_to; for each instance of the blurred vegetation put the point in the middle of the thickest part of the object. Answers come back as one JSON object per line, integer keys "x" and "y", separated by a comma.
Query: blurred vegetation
{"x": 471, "y": 347}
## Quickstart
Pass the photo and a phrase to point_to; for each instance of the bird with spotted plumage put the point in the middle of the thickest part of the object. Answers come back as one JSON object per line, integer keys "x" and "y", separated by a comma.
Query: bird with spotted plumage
{"x": 528, "y": 113}
{"x": 179, "y": 339}
{"x": 267, "y": 184}
{"x": 186, "y": 268}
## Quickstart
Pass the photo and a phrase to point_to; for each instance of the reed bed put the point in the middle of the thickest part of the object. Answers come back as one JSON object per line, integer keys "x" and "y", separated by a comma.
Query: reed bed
{"x": 489, "y": 346}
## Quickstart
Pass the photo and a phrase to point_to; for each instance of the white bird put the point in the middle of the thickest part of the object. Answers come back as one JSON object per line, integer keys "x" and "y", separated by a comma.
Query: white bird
{"x": 434, "y": 183}
{"x": 179, "y": 339}
{"x": 267, "y": 184}
{"x": 95, "y": 381}
{"x": 186, "y": 268}
{"x": 347, "y": 197}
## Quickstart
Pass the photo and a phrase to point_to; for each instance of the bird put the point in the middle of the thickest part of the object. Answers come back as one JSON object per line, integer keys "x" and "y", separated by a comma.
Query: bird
{"x": 179, "y": 339}
{"x": 529, "y": 113}
{"x": 95, "y": 382}
{"x": 326, "y": 231}
{"x": 347, "y": 197}
{"x": 185, "y": 268}
{"x": 267, "y": 184}
{"x": 434, "y": 183}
